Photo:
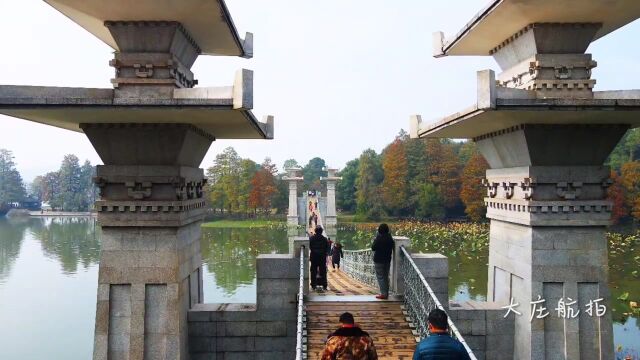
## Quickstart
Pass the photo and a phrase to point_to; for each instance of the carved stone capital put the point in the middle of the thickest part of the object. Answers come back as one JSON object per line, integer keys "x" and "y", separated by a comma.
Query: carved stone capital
{"x": 550, "y": 213}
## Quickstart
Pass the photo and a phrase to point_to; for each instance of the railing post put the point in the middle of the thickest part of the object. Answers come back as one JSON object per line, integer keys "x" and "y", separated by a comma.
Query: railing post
{"x": 299, "y": 242}
{"x": 397, "y": 284}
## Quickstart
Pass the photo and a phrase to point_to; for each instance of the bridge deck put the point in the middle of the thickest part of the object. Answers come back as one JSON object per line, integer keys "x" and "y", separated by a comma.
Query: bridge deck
{"x": 342, "y": 284}
{"x": 383, "y": 320}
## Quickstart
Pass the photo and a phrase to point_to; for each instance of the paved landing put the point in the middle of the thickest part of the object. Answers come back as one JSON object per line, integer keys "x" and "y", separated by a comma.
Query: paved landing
{"x": 383, "y": 320}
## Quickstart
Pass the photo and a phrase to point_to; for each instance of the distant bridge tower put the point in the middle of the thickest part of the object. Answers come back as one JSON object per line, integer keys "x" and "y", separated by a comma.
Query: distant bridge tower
{"x": 293, "y": 177}
{"x": 331, "y": 218}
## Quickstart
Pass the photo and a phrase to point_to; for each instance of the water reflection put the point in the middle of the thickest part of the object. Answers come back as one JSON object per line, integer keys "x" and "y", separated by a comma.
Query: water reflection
{"x": 58, "y": 257}
{"x": 72, "y": 242}
{"x": 11, "y": 235}
{"x": 230, "y": 254}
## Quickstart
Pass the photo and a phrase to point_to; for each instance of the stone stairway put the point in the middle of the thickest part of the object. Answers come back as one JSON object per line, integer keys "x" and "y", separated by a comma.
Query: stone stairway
{"x": 385, "y": 321}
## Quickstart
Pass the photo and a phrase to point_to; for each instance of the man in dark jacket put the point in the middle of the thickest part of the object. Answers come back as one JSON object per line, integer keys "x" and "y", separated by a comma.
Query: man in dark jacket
{"x": 439, "y": 344}
{"x": 318, "y": 257}
{"x": 382, "y": 247}
{"x": 349, "y": 342}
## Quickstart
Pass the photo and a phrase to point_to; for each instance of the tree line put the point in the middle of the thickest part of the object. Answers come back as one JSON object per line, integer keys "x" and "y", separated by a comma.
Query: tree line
{"x": 418, "y": 178}
{"x": 70, "y": 188}
{"x": 431, "y": 179}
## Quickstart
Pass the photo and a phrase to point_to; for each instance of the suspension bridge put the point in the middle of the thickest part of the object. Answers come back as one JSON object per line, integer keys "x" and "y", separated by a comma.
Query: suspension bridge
{"x": 396, "y": 325}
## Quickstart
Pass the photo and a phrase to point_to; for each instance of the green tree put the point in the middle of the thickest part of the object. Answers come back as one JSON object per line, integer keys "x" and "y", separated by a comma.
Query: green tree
{"x": 627, "y": 150}
{"x": 281, "y": 197}
{"x": 346, "y": 188}
{"x": 368, "y": 199}
{"x": 224, "y": 178}
{"x": 290, "y": 163}
{"x": 430, "y": 203}
{"x": 11, "y": 186}
{"x": 248, "y": 169}
{"x": 89, "y": 189}
{"x": 72, "y": 196}
{"x": 312, "y": 173}
{"x": 50, "y": 188}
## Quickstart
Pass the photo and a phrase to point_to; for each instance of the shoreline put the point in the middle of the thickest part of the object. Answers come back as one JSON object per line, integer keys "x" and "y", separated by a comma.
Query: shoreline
{"x": 61, "y": 214}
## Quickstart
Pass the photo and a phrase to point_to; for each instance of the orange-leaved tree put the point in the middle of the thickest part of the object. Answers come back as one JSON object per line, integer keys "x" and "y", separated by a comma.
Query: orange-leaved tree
{"x": 630, "y": 179}
{"x": 616, "y": 194}
{"x": 394, "y": 185}
{"x": 472, "y": 192}
{"x": 263, "y": 186}
{"x": 443, "y": 170}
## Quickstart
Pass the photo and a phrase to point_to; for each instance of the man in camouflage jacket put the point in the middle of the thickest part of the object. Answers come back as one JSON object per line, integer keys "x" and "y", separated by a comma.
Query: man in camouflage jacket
{"x": 349, "y": 342}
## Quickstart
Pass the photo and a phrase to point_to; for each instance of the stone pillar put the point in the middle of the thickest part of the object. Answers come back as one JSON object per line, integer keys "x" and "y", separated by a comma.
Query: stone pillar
{"x": 151, "y": 207}
{"x": 397, "y": 285}
{"x": 331, "y": 218}
{"x": 151, "y": 202}
{"x": 293, "y": 177}
{"x": 547, "y": 195}
{"x": 547, "y": 203}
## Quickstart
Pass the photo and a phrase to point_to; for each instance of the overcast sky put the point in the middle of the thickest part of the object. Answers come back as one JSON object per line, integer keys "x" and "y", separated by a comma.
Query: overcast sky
{"x": 339, "y": 76}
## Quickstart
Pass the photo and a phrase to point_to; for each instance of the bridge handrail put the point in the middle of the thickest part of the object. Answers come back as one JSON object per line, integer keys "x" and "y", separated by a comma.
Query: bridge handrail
{"x": 414, "y": 300}
{"x": 300, "y": 325}
{"x": 358, "y": 264}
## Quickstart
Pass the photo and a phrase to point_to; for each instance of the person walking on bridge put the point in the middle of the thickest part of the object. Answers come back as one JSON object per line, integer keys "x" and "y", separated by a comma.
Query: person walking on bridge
{"x": 349, "y": 342}
{"x": 382, "y": 247}
{"x": 439, "y": 344}
{"x": 318, "y": 257}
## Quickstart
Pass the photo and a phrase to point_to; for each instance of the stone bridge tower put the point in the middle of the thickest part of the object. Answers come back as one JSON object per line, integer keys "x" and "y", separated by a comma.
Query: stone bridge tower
{"x": 151, "y": 130}
{"x": 546, "y": 135}
{"x": 293, "y": 177}
{"x": 331, "y": 218}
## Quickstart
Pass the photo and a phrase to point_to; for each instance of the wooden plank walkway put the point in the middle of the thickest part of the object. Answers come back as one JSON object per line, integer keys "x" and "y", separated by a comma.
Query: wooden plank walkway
{"x": 341, "y": 284}
{"x": 383, "y": 320}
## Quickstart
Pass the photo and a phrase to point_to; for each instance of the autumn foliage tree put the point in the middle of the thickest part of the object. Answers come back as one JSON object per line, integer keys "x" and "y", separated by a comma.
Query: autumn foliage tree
{"x": 616, "y": 194}
{"x": 394, "y": 185}
{"x": 263, "y": 186}
{"x": 472, "y": 192}
{"x": 630, "y": 179}
{"x": 443, "y": 171}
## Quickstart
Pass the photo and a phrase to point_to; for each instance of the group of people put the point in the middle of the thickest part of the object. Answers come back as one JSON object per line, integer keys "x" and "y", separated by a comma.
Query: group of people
{"x": 323, "y": 249}
{"x": 350, "y": 341}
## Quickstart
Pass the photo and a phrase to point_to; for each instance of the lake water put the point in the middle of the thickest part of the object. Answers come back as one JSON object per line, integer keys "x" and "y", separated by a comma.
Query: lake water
{"x": 49, "y": 272}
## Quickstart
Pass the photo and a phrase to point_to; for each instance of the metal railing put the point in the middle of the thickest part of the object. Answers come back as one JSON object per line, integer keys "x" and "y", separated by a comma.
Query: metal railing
{"x": 300, "y": 353}
{"x": 359, "y": 265}
{"x": 419, "y": 299}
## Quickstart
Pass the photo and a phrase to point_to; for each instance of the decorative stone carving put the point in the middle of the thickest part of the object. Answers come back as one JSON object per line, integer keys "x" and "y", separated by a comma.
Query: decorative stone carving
{"x": 569, "y": 190}
{"x": 138, "y": 190}
{"x": 492, "y": 188}
{"x": 509, "y": 188}
{"x": 527, "y": 186}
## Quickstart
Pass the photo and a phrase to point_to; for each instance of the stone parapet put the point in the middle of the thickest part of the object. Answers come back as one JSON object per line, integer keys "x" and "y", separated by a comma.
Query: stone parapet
{"x": 435, "y": 269}
{"x": 266, "y": 330}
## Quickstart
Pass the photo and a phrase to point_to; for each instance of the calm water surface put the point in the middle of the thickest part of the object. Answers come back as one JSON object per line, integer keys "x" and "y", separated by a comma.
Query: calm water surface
{"x": 49, "y": 272}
